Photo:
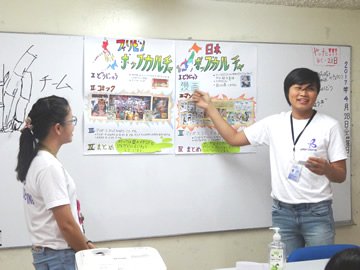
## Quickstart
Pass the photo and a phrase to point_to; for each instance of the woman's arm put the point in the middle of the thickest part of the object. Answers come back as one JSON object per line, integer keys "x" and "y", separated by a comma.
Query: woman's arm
{"x": 69, "y": 228}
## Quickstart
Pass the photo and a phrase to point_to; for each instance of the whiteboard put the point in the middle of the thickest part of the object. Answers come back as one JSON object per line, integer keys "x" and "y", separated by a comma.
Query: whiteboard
{"x": 31, "y": 66}
{"x": 140, "y": 196}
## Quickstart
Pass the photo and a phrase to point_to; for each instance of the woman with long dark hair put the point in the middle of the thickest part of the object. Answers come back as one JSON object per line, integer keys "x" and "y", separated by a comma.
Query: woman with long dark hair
{"x": 49, "y": 194}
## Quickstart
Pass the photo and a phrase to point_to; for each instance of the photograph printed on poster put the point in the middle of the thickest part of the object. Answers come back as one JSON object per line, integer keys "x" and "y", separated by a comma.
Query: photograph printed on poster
{"x": 99, "y": 105}
{"x": 130, "y": 107}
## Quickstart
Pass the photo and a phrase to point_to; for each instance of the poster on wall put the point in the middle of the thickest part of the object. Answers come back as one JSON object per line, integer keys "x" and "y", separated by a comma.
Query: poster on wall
{"x": 129, "y": 91}
{"x": 225, "y": 70}
{"x": 333, "y": 67}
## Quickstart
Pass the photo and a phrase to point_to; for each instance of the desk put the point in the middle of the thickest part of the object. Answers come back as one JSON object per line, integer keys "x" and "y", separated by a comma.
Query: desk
{"x": 135, "y": 258}
{"x": 313, "y": 265}
{"x": 303, "y": 265}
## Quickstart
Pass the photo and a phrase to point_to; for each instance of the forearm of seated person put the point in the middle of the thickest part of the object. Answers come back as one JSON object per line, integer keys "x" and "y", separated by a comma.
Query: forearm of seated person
{"x": 69, "y": 228}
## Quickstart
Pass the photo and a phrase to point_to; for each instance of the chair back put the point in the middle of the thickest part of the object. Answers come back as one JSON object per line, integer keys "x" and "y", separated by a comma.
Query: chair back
{"x": 317, "y": 252}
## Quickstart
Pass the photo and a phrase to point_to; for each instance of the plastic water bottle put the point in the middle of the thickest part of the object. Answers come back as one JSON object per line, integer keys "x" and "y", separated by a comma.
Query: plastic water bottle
{"x": 277, "y": 252}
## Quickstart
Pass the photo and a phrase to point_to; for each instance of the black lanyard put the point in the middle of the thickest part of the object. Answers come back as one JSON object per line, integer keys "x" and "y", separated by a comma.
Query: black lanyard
{"x": 292, "y": 129}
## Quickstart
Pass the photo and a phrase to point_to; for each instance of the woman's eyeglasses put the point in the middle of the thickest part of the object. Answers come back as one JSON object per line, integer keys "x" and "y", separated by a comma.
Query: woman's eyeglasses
{"x": 72, "y": 121}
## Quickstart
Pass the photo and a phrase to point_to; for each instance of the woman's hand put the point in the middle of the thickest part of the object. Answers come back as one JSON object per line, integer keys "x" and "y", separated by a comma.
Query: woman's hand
{"x": 90, "y": 245}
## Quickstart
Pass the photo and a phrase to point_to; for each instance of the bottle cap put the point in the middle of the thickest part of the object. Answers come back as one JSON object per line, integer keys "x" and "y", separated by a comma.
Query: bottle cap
{"x": 276, "y": 236}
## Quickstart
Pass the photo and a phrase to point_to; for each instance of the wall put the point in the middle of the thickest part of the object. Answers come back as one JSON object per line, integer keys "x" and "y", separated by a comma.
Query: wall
{"x": 207, "y": 20}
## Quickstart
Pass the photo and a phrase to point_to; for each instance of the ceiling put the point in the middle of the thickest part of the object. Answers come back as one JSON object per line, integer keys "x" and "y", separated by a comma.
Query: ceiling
{"x": 336, "y": 4}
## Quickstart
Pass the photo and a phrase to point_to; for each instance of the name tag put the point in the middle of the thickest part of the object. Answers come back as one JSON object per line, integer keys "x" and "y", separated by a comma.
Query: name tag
{"x": 294, "y": 171}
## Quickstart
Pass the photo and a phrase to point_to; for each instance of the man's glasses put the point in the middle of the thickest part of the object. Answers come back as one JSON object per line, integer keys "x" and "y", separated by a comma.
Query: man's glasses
{"x": 72, "y": 121}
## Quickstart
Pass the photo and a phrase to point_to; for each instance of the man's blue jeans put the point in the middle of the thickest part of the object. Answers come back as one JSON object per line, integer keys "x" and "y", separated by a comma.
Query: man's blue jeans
{"x": 305, "y": 224}
{"x": 49, "y": 259}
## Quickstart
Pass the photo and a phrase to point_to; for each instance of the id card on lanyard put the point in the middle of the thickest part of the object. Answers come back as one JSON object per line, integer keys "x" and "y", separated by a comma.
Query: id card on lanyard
{"x": 296, "y": 167}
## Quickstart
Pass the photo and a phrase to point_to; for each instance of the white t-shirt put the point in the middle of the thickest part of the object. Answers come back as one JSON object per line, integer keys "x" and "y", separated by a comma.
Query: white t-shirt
{"x": 47, "y": 185}
{"x": 322, "y": 138}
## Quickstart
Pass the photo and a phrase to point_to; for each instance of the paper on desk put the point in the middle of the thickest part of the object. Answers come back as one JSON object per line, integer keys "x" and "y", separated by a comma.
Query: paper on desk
{"x": 119, "y": 259}
{"x": 251, "y": 266}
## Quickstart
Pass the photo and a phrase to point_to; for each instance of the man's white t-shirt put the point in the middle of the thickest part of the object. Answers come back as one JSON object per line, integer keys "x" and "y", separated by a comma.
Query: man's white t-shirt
{"x": 321, "y": 138}
{"x": 47, "y": 185}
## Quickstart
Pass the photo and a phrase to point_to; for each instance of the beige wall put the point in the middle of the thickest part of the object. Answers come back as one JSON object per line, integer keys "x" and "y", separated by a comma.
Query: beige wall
{"x": 197, "y": 19}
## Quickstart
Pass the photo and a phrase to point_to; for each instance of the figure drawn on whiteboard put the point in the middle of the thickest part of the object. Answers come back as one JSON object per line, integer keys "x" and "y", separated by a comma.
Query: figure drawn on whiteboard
{"x": 16, "y": 88}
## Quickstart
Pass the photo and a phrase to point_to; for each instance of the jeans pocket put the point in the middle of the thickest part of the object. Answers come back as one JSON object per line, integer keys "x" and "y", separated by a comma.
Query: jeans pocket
{"x": 275, "y": 206}
{"x": 37, "y": 250}
{"x": 321, "y": 209}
